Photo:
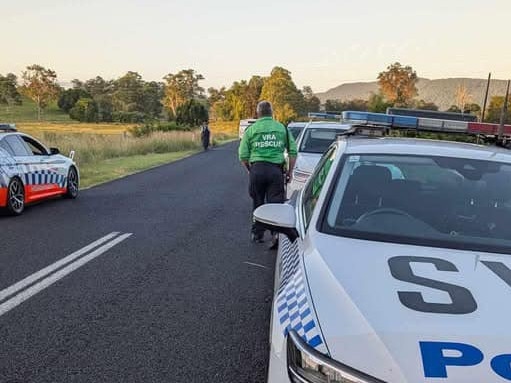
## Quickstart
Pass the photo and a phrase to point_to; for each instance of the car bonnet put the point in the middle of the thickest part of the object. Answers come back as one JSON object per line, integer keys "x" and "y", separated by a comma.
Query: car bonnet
{"x": 398, "y": 312}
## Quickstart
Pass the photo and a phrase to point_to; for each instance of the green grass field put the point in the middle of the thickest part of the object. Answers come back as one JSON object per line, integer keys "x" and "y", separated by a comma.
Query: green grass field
{"x": 27, "y": 111}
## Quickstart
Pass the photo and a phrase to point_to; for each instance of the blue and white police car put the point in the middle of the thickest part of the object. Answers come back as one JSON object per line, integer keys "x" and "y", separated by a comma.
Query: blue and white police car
{"x": 394, "y": 264}
{"x": 31, "y": 172}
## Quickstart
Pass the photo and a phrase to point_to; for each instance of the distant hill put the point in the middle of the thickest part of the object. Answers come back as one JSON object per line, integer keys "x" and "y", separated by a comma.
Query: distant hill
{"x": 441, "y": 91}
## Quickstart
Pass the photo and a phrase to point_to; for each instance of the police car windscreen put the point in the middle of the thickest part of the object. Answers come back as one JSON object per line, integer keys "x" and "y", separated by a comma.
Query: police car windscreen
{"x": 295, "y": 131}
{"x": 422, "y": 200}
{"x": 317, "y": 140}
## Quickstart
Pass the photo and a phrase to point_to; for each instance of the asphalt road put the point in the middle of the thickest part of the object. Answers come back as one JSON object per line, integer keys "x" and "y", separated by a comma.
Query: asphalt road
{"x": 174, "y": 302}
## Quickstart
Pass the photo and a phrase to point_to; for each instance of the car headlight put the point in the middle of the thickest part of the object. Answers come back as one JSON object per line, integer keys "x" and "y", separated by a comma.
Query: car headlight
{"x": 306, "y": 365}
{"x": 300, "y": 175}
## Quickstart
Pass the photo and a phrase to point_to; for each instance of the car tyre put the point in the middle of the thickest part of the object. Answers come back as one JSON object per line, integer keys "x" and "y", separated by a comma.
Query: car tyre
{"x": 73, "y": 183}
{"x": 15, "y": 197}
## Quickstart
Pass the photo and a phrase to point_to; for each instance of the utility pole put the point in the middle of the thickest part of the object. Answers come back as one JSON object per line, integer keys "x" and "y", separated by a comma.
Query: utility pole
{"x": 486, "y": 97}
{"x": 503, "y": 113}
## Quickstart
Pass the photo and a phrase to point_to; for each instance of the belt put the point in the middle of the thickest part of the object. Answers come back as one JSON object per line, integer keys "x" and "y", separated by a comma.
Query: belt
{"x": 266, "y": 163}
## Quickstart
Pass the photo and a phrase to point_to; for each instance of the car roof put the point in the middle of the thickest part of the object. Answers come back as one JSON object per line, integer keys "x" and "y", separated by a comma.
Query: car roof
{"x": 417, "y": 146}
{"x": 297, "y": 124}
{"x": 4, "y": 134}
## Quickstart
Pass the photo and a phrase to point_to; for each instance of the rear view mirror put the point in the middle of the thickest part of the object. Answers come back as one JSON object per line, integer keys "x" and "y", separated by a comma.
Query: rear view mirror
{"x": 278, "y": 217}
{"x": 54, "y": 151}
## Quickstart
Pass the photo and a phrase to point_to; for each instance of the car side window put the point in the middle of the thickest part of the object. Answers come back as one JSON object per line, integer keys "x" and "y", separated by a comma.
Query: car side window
{"x": 36, "y": 148}
{"x": 17, "y": 145}
{"x": 315, "y": 185}
{"x": 5, "y": 146}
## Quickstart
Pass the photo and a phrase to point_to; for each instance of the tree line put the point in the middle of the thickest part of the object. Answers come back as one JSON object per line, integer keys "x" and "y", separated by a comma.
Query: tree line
{"x": 181, "y": 98}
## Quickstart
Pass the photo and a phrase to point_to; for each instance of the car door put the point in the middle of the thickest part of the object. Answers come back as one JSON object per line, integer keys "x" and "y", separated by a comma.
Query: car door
{"x": 293, "y": 308}
{"x": 51, "y": 168}
{"x": 290, "y": 253}
{"x": 30, "y": 167}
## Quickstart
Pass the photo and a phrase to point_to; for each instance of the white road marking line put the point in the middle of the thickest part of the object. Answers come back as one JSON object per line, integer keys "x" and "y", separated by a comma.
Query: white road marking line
{"x": 255, "y": 264}
{"x": 46, "y": 282}
{"x": 54, "y": 266}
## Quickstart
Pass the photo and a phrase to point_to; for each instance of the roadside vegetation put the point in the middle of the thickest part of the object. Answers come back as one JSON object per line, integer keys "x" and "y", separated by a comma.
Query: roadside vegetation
{"x": 117, "y": 126}
{"x": 107, "y": 152}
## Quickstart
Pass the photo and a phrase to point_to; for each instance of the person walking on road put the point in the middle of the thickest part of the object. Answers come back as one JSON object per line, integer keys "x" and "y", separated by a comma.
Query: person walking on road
{"x": 261, "y": 151}
{"x": 205, "y": 136}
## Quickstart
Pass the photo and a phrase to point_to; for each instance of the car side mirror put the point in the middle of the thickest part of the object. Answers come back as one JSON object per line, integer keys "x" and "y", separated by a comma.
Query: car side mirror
{"x": 54, "y": 151}
{"x": 279, "y": 217}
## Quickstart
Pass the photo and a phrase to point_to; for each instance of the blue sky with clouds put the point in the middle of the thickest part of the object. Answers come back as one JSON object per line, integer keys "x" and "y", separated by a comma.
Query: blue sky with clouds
{"x": 323, "y": 43}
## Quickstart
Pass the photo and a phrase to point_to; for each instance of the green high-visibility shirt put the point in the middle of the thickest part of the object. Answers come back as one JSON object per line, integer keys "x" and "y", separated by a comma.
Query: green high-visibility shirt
{"x": 266, "y": 140}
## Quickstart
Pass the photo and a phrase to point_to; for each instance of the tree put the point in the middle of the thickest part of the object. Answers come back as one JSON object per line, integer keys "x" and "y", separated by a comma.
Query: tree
{"x": 425, "y": 105}
{"x": 377, "y": 103}
{"x": 101, "y": 92}
{"x": 340, "y": 106}
{"x": 192, "y": 112}
{"x": 287, "y": 100}
{"x": 218, "y": 108}
{"x": 40, "y": 85}
{"x": 454, "y": 109}
{"x": 398, "y": 84}
{"x": 69, "y": 97}
{"x": 127, "y": 93}
{"x": 462, "y": 97}
{"x": 253, "y": 94}
{"x": 9, "y": 94}
{"x": 473, "y": 108}
{"x": 495, "y": 109}
{"x": 84, "y": 110}
{"x": 333, "y": 106}
{"x": 237, "y": 102}
{"x": 312, "y": 102}
{"x": 152, "y": 94}
{"x": 181, "y": 87}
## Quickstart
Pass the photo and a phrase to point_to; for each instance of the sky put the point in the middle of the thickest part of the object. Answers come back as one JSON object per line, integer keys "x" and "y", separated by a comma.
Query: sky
{"x": 324, "y": 43}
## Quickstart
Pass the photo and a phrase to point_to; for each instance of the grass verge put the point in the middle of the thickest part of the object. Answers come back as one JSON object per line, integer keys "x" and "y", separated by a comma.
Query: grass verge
{"x": 95, "y": 173}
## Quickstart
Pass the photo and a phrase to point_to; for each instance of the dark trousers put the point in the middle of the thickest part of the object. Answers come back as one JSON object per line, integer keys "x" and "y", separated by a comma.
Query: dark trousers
{"x": 266, "y": 186}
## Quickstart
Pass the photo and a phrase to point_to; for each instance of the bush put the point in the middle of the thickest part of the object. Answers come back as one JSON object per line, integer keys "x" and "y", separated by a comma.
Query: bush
{"x": 192, "y": 112}
{"x": 69, "y": 98}
{"x": 148, "y": 128}
{"x": 85, "y": 110}
{"x": 128, "y": 117}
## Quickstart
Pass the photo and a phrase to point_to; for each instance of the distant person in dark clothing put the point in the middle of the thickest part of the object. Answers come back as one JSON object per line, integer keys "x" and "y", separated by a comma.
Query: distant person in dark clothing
{"x": 205, "y": 136}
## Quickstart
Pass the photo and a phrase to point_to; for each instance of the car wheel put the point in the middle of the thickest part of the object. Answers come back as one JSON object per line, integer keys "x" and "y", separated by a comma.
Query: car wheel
{"x": 72, "y": 183}
{"x": 15, "y": 197}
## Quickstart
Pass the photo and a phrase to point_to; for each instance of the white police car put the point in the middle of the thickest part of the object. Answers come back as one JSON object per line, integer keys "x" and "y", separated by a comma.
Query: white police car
{"x": 30, "y": 172}
{"x": 387, "y": 276}
{"x": 313, "y": 141}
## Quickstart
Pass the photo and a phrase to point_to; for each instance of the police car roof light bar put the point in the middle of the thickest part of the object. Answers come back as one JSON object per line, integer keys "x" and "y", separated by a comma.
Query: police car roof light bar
{"x": 325, "y": 115}
{"x": 7, "y": 127}
{"x": 399, "y": 122}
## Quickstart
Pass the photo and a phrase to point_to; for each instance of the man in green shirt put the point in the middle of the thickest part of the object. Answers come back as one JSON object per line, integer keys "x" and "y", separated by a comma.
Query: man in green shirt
{"x": 262, "y": 151}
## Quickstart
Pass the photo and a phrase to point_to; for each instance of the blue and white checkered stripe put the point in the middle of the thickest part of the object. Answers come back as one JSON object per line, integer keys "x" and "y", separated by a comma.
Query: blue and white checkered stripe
{"x": 293, "y": 303}
{"x": 37, "y": 175}
{"x": 44, "y": 177}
